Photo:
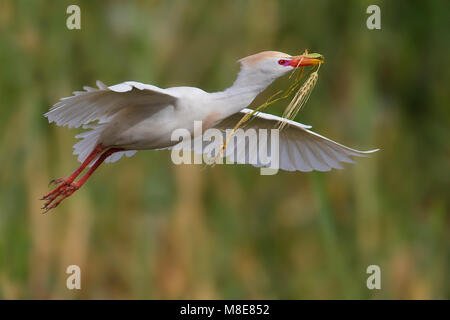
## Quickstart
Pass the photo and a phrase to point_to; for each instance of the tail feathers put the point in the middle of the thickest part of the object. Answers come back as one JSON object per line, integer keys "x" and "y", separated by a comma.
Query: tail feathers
{"x": 89, "y": 140}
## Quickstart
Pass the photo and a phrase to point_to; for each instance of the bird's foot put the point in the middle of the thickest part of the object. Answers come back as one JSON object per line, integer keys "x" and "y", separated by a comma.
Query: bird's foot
{"x": 63, "y": 182}
{"x": 61, "y": 192}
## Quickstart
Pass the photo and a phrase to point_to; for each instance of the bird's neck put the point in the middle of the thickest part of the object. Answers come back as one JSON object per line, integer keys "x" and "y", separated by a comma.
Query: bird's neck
{"x": 248, "y": 84}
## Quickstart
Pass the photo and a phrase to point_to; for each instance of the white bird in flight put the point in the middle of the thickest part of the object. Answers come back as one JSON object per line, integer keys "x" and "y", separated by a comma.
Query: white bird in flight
{"x": 133, "y": 116}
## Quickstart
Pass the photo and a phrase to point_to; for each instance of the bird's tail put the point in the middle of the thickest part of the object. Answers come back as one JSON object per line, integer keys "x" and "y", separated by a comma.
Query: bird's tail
{"x": 90, "y": 139}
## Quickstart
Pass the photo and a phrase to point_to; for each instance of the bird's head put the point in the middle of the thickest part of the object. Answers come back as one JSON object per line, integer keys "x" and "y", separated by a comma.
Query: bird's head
{"x": 275, "y": 64}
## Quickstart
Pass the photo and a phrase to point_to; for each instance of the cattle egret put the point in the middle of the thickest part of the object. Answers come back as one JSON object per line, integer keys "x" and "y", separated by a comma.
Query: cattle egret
{"x": 132, "y": 116}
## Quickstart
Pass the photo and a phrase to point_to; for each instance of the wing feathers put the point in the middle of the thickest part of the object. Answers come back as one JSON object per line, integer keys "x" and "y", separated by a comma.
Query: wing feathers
{"x": 299, "y": 148}
{"x": 99, "y": 104}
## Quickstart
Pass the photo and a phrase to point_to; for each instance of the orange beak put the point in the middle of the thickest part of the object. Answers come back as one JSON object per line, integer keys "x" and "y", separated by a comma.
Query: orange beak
{"x": 304, "y": 61}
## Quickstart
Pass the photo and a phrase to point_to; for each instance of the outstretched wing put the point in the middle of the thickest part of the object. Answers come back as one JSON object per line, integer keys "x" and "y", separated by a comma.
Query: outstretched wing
{"x": 101, "y": 104}
{"x": 299, "y": 148}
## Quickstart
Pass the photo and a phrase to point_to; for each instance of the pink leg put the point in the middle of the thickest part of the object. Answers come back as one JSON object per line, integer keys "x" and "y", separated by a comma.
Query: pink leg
{"x": 68, "y": 189}
{"x": 66, "y": 181}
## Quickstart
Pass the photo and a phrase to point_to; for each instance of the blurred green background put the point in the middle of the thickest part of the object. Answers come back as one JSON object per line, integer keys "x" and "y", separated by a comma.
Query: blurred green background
{"x": 145, "y": 228}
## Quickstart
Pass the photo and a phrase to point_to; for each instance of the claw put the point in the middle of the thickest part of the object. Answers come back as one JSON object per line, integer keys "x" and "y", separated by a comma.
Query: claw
{"x": 56, "y": 181}
{"x": 63, "y": 183}
{"x": 61, "y": 192}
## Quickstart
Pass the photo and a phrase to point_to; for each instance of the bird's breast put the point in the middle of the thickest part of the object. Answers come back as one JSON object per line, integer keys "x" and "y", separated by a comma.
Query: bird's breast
{"x": 212, "y": 119}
